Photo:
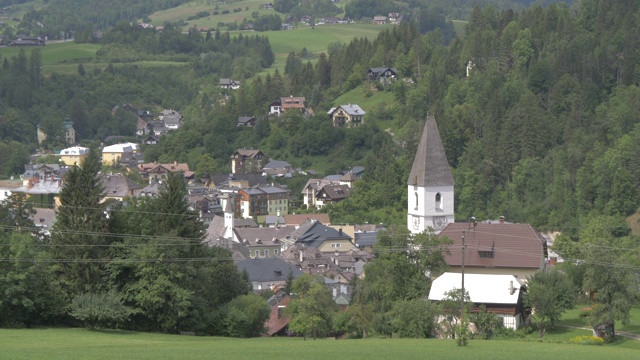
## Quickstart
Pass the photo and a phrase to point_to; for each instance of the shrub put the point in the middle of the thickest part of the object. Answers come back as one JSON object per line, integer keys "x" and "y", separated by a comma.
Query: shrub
{"x": 104, "y": 309}
{"x": 586, "y": 340}
{"x": 225, "y": 12}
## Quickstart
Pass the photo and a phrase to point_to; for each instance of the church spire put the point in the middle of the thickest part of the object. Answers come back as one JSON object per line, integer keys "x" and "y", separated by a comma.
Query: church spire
{"x": 430, "y": 166}
{"x": 430, "y": 185}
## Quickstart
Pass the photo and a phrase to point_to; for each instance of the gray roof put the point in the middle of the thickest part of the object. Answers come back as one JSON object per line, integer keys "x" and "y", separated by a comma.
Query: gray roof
{"x": 366, "y": 238}
{"x": 44, "y": 218}
{"x": 117, "y": 185}
{"x": 430, "y": 166}
{"x": 317, "y": 233}
{"x": 269, "y": 269}
{"x": 277, "y": 164}
{"x": 353, "y": 109}
{"x": 262, "y": 236}
{"x": 272, "y": 220}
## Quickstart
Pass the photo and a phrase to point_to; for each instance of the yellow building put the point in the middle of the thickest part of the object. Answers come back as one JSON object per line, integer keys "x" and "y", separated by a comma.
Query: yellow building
{"x": 111, "y": 155}
{"x": 73, "y": 155}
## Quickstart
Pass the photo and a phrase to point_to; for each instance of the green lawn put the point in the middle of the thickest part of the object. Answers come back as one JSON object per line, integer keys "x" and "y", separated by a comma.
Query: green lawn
{"x": 85, "y": 344}
{"x": 57, "y": 52}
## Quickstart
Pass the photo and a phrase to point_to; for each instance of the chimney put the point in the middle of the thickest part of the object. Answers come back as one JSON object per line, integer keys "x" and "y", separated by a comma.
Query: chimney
{"x": 511, "y": 288}
{"x": 340, "y": 231}
{"x": 501, "y": 219}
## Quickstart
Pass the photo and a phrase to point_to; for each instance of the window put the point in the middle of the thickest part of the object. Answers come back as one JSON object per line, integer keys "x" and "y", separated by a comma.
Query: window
{"x": 336, "y": 245}
{"x": 416, "y": 195}
{"x": 266, "y": 253}
{"x": 485, "y": 254}
{"x": 257, "y": 253}
{"x": 275, "y": 252}
{"x": 438, "y": 201}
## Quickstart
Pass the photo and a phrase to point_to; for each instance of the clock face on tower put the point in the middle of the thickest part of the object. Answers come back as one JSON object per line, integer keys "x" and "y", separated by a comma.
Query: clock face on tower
{"x": 416, "y": 223}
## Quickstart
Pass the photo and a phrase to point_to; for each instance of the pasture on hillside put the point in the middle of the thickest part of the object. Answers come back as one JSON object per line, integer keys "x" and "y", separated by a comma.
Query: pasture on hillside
{"x": 247, "y": 8}
{"x": 113, "y": 344}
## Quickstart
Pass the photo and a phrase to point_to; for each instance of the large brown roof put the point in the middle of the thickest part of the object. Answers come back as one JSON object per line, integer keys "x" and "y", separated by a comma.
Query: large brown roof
{"x": 430, "y": 166}
{"x": 512, "y": 245}
{"x": 297, "y": 219}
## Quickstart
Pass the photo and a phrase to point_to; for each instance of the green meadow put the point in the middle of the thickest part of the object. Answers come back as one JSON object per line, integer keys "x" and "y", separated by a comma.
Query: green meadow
{"x": 86, "y": 344}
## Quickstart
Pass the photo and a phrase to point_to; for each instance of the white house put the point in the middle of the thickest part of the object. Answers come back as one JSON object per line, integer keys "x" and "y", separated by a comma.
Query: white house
{"x": 501, "y": 294}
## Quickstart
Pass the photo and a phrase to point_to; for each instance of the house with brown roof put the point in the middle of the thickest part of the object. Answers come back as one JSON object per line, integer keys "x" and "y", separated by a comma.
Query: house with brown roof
{"x": 297, "y": 219}
{"x": 311, "y": 190}
{"x": 380, "y": 20}
{"x": 155, "y": 171}
{"x": 278, "y": 322}
{"x": 332, "y": 194}
{"x": 284, "y": 104}
{"x": 248, "y": 161}
{"x": 507, "y": 249}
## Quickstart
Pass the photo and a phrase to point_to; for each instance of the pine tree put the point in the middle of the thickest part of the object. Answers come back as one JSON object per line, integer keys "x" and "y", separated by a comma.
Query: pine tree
{"x": 79, "y": 230}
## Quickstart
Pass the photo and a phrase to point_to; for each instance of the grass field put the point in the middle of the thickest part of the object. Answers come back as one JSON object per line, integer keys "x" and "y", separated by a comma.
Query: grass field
{"x": 57, "y": 52}
{"x": 248, "y": 7}
{"x": 85, "y": 344}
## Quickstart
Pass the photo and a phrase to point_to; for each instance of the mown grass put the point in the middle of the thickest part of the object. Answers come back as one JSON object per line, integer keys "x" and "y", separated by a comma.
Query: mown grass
{"x": 57, "y": 52}
{"x": 85, "y": 344}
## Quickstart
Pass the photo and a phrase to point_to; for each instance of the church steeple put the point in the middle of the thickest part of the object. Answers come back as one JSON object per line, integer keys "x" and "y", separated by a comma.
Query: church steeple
{"x": 228, "y": 219}
{"x": 430, "y": 183}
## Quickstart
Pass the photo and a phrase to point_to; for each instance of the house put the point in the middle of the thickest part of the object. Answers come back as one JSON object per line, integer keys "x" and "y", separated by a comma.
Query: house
{"x": 275, "y": 108}
{"x": 229, "y": 84}
{"x": 28, "y": 41}
{"x": 7, "y": 187}
{"x": 118, "y": 187}
{"x": 172, "y": 119}
{"x": 73, "y": 155}
{"x": 325, "y": 238}
{"x": 280, "y": 106}
{"x": 263, "y": 200}
{"x": 277, "y": 168}
{"x": 308, "y": 259}
{"x": 286, "y": 26}
{"x": 507, "y": 249}
{"x": 502, "y": 295}
{"x": 380, "y": 20}
{"x": 152, "y": 140}
{"x": 69, "y": 133}
{"x": 141, "y": 126}
{"x": 246, "y": 121}
{"x": 312, "y": 188}
{"x": 41, "y": 190}
{"x": 384, "y": 74}
{"x": 247, "y": 161}
{"x": 293, "y": 103}
{"x": 331, "y": 194}
{"x": 262, "y": 242}
{"x": 42, "y": 171}
{"x": 43, "y": 219}
{"x": 347, "y": 115}
{"x": 232, "y": 182}
{"x": 111, "y": 155}
{"x": 430, "y": 187}
{"x": 278, "y": 322}
{"x": 298, "y": 219}
{"x": 155, "y": 171}
{"x": 395, "y": 18}
{"x": 266, "y": 274}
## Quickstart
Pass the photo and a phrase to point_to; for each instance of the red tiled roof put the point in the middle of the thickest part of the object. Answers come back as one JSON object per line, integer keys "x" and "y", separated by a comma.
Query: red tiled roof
{"x": 512, "y": 245}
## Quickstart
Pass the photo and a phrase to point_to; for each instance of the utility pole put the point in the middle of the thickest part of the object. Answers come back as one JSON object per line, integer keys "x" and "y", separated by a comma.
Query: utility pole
{"x": 462, "y": 328}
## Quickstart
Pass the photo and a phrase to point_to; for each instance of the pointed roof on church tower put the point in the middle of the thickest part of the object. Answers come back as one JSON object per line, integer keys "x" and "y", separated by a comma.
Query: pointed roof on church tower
{"x": 430, "y": 166}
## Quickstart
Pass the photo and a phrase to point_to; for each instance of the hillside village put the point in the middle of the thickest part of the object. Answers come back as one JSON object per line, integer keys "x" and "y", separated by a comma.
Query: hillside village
{"x": 419, "y": 184}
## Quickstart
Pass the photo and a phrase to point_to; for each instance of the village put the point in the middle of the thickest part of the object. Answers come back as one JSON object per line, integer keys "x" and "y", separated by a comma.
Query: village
{"x": 248, "y": 213}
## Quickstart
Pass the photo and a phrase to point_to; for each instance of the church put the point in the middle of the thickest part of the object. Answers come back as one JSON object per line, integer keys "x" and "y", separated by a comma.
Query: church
{"x": 430, "y": 185}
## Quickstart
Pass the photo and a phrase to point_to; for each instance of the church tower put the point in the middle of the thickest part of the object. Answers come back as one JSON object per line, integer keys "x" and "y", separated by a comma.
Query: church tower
{"x": 430, "y": 184}
{"x": 228, "y": 219}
